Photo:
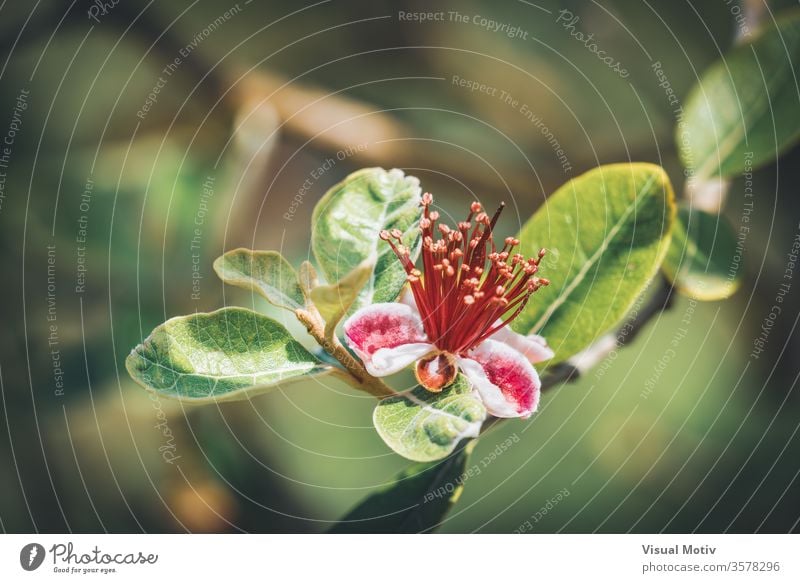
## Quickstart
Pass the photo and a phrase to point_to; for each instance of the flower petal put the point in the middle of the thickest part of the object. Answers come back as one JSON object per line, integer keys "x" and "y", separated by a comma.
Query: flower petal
{"x": 533, "y": 346}
{"x": 388, "y": 361}
{"x": 505, "y": 380}
{"x": 386, "y": 337}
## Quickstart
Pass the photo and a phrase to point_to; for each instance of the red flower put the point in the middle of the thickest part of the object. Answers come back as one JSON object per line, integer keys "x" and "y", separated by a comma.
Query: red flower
{"x": 462, "y": 299}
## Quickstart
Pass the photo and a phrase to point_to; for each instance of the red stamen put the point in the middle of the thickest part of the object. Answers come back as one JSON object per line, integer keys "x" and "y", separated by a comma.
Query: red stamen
{"x": 466, "y": 289}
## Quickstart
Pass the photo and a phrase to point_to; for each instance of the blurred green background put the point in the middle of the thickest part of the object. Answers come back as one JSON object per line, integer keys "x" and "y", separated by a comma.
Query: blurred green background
{"x": 263, "y": 96}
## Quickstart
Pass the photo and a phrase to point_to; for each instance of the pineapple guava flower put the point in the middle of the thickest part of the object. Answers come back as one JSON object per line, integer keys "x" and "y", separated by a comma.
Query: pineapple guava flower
{"x": 456, "y": 317}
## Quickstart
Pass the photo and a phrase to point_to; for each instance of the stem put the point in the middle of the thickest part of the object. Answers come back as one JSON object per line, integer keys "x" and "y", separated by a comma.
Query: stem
{"x": 355, "y": 371}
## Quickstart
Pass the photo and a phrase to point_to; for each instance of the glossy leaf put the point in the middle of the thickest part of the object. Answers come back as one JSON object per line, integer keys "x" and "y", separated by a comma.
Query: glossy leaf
{"x": 424, "y": 426}
{"x": 743, "y": 111}
{"x": 265, "y": 272}
{"x": 699, "y": 262}
{"x": 230, "y": 354}
{"x": 416, "y": 501}
{"x": 606, "y": 233}
{"x": 347, "y": 223}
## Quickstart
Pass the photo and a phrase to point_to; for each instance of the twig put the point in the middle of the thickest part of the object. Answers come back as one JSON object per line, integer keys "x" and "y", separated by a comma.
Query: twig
{"x": 313, "y": 322}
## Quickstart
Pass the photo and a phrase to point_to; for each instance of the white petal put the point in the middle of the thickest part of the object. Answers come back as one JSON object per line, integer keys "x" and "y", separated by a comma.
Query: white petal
{"x": 491, "y": 395}
{"x": 386, "y": 361}
{"x": 507, "y": 383}
{"x": 379, "y": 332}
{"x": 533, "y": 346}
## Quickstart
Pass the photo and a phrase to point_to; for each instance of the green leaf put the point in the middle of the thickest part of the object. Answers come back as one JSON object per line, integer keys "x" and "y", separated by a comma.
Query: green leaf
{"x": 347, "y": 223}
{"x": 743, "y": 111}
{"x": 699, "y": 262}
{"x": 606, "y": 233}
{"x": 265, "y": 272}
{"x": 307, "y": 277}
{"x": 333, "y": 301}
{"x": 227, "y": 355}
{"x": 424, "y": 426}
{"x": 416, "y": 501}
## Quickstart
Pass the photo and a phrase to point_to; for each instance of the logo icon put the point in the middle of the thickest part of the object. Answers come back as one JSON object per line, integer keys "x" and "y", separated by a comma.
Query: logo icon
{"x": 31, "y": 556}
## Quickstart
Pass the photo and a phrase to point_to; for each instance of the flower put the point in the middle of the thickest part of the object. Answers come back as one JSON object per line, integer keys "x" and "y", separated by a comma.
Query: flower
{"x": 457, "y": 313}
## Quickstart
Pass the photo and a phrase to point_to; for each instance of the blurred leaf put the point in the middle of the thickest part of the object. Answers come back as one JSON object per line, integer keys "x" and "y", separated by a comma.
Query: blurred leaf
{"x": 606, "y": 233}
{"x": 698, "y": 262}
{"x": 744, "y": 109}
{"x": 417, "y": 501}
{"x": 347, "y": 223}
{"x": 424, "y": 426}
{"x": 265, "y": 272}
{"x": 333, "y": 301}
{"x": 227, "y": 355}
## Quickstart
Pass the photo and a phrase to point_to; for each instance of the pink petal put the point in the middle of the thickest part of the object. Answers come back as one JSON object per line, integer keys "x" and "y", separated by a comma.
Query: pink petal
{"x": 507, "y": 383}
{"x": 533, "y": 346}
{"x": 386, "y": 337}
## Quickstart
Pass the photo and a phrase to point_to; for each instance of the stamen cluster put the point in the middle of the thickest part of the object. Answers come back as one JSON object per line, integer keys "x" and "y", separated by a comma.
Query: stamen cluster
{"x": 466, "y": 290}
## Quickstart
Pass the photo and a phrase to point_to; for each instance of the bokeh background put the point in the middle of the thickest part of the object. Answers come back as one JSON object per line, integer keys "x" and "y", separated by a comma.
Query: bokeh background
{"x": 271, "y": 103}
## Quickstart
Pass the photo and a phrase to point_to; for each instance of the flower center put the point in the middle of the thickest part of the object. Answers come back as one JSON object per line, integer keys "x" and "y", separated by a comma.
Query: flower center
{"x": 436, "y": 371}
{"x": 466, "y": 290}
